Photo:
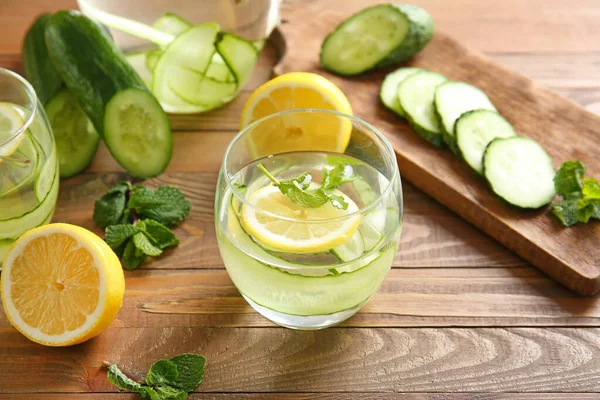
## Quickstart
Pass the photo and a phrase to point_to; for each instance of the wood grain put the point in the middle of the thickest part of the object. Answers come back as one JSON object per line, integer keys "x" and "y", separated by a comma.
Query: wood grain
{"x": 407, "y": 298}
{"x": 564, "y": 129}
{"x": 315, "y": 396}
{"x": 334, "y": 360}
{"x": 432, "y": 236}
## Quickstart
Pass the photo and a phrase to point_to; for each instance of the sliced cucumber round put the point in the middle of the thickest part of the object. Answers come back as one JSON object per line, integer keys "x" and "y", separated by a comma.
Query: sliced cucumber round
{"x": 45, "y": 179}
{"x": 372, "y": 228}
{"x": 351, "y": 250}
{"x": 14, "y": 227}
{"x": 137, "y": 133}
{"x": 474, "y": 130}
{"x": 74, "y": 134}
{"x": 376, "y": 36}
{"x": 189, "y": 53}
{"x": 171, "y": 23}
{"x": 389, "y": 89}
{"x": 416, "y": 95}
{"x": 452, "y": 99}
{"x": 520, "y": 171}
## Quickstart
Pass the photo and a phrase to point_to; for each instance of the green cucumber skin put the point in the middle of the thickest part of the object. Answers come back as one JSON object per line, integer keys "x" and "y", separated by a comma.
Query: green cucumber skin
{"x": 419, "y": 34}
{"x": 435, "y": 138}
{"x": 449, "y": 140}
{"x": 38, "y": 69}
{"x": 92, "y": 67}
{"x": 490, "y": 185}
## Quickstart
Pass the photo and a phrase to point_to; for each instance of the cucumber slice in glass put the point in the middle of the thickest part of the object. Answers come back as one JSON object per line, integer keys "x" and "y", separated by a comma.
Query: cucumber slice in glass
{"x": 190, "y": 52}
{"x": 372, "y": 228}
{"x": 351, "y": 250}
{"x": 14, "y": 227}
{"x": 171, "y": 23}
{"x": 75, "y": 136}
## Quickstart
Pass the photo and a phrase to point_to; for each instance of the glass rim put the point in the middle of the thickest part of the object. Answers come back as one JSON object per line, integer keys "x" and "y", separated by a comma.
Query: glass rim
{"x": 34, "y": 100}
{"x": 385, "y": 143}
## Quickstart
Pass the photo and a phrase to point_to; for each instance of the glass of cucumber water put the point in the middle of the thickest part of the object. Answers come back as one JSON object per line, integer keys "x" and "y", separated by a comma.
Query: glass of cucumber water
{"x": 28, "y": 162}
{"x": 308, "y": 235}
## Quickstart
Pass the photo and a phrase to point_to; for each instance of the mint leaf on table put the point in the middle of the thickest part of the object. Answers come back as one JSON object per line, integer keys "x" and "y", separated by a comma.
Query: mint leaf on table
{"x": 132, "y": 257}
{"x": 566, "y": 211}
{"x": 137, "y": 220}
{"x": 166, "y": 380}
{"x": 568, "y": 178}
{"x": 162, "y": 372}
{"x": 116, "y": 235}
{"x": 143, "y": 244}
{"x": 300, "y": 191}
{"x": 166, "y": 204}
{"x": 588, "y": 208}
{"x": 160, "y": 235}
{"x": 122, "y": 381}
{"x": 591, "y": 188}
{"x": 109, "y": 209}
{"x": 581, "y": 196}
{"x": 191, "y": 370}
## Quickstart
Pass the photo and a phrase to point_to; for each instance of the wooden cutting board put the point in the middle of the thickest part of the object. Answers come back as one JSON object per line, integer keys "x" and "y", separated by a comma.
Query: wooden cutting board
{"x": 567, "y": 132}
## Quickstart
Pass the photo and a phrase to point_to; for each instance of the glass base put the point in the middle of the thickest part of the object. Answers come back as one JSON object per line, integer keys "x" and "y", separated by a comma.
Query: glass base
{"x": 299, "y": 322}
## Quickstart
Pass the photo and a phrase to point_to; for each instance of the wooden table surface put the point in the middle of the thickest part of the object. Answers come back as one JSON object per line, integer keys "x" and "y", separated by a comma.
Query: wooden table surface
{"x": 458, "y": 316}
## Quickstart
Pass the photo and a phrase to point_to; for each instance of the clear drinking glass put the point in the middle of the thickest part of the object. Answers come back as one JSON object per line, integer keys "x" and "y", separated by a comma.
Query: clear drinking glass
{"x": 28, "y": 162}
{"x": 251, "y": 19}
{"x": 314, "y": 287}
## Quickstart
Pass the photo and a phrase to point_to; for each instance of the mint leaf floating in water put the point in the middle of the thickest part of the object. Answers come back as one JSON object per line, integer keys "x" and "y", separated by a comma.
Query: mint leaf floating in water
{"x": 169, "y": 379}
{"x": 581, "y": 196}
{"x": 303, "y": 192}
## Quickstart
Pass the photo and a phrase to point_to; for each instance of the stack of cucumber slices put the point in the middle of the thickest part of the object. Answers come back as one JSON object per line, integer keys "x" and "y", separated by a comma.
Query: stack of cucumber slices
{"x": 461, "y": 116}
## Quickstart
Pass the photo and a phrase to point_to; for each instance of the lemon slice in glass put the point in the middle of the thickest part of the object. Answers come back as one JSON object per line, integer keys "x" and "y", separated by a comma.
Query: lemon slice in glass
{"x": 10, "y": 122}
{"x": 298, "y": 131}
{"x": 280, "y": 224}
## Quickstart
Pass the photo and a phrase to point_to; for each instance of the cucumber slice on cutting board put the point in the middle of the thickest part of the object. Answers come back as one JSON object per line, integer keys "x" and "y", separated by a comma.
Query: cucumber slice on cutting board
{"x": 474, "y": 130}
{"x": 389, "y": 89}
{"x": 452, "y": 99}
{"x": 520, "y": 171}
{"x": 416, "y": 95}
{"x": 74, "y": 134}
{"x": 376, "y": 36}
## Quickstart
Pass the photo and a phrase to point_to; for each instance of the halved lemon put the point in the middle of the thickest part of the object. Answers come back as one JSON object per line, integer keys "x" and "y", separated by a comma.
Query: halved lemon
{"x": 291, "y": 228}
{"x": 10, "y": 122}
{"x": 61, "y": 285}
{"x": 299, "y": 131}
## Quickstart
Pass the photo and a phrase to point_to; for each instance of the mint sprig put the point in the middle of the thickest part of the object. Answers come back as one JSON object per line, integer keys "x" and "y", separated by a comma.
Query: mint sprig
{"x": 170, "y": 379}
{"x": 302, "y": 191}
{"x": 137, "y": 220}
{"x": 581, "y": 196}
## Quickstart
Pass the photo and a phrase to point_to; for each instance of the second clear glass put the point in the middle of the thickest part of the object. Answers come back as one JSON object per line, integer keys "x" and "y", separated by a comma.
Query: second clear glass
{"x": 312, "y": 287}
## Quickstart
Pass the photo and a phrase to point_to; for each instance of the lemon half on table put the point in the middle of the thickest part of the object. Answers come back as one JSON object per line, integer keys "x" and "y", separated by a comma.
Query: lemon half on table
{"x": 297, "y": 131}
{"x": 61, "y": 285}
